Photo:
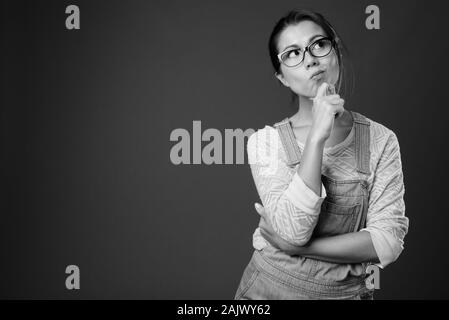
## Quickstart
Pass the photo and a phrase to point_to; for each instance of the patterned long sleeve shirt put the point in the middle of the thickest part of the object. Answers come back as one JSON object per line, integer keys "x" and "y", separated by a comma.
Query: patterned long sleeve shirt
{"x": 293, "y": 208}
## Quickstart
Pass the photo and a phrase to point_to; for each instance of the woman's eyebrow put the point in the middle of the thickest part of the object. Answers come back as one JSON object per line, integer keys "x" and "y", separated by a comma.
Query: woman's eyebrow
{"x": 297, "y": 46}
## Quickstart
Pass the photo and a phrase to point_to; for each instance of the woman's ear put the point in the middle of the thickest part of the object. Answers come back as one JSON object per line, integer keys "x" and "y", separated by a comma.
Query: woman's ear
{"x": 282, "y": 79}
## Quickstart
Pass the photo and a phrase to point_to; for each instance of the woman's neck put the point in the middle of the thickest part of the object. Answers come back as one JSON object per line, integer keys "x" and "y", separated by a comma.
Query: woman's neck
{"x": 303, "y": 117}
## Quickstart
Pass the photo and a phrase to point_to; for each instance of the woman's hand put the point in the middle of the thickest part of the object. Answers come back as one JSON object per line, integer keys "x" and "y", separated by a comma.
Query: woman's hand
{"x": 325, "y": 109}
{"x": 272, "y": 237}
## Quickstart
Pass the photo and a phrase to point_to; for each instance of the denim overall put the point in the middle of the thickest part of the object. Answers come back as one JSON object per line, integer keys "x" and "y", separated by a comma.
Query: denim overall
{"x": 272, "y": 274}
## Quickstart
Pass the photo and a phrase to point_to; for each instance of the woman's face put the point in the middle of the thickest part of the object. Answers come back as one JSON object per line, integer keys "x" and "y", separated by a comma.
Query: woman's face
{"x": 299, "y": 78}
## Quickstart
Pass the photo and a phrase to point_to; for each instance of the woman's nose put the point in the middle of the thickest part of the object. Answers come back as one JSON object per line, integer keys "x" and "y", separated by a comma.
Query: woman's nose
{"x": 310, "y": 60}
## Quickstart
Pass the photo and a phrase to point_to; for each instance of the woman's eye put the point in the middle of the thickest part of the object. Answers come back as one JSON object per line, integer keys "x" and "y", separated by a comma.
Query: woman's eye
{"x": 294, "y": 53}
{"x": 319, "y": 44}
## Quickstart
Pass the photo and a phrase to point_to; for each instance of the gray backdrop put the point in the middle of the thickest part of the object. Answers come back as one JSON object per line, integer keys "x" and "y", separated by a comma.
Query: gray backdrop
{"x": 86, "y": 117}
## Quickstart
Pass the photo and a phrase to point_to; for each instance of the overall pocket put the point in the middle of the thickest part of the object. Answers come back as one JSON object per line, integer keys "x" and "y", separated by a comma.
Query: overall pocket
{"x": 335, "y": 219}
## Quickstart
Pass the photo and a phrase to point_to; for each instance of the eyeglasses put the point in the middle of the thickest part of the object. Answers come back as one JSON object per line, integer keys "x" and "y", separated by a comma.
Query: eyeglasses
{"x": 319, "y": 48}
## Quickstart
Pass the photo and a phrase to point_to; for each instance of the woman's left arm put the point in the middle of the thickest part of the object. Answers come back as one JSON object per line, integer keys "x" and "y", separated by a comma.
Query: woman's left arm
{"x": 382, "y": 239}
{"x": 351, "y": 247}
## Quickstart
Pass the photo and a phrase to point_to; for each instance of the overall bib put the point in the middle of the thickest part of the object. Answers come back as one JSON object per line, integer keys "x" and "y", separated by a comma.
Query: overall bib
{"x": 272, "y": 274}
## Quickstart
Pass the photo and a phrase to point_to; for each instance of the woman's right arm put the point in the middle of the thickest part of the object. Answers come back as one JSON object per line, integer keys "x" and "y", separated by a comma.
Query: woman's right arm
{"x": 323, "y": 115}
{"x": 293, "y": 203}
{"x": 292, "y": 207}
{"x": 309, "y": 169}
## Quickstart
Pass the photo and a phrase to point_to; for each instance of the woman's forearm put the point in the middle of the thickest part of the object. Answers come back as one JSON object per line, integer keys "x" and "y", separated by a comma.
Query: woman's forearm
{"x": 309, "y": 168}
{"x": 352, "y": 247}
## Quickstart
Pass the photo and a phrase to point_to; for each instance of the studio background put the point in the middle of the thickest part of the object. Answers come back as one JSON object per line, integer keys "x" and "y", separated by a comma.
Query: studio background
{"x": 86, "y": 117}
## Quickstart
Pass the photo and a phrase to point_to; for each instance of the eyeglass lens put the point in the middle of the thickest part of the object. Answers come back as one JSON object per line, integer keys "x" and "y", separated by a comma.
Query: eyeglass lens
{"x": 319, "y": 48}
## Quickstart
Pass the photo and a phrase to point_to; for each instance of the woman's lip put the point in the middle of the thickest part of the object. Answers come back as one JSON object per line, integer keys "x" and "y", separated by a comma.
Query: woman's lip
{"x": 317, "y": 75}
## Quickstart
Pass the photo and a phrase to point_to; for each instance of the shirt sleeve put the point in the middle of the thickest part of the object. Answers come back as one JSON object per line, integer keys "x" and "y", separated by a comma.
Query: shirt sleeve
{"x": 292, "y": 207}
{"x": 386, "y": 220}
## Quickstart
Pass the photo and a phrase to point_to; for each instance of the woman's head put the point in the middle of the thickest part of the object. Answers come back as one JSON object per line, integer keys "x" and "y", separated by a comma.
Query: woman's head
{"x": 306, "y": 35}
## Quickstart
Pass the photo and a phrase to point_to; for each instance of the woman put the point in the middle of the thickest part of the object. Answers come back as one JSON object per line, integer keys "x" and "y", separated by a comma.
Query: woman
{"x": 330, "y": 179}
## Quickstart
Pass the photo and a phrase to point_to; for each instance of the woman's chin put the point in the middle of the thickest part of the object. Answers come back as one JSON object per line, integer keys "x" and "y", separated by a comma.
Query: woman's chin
{"x": 318, "y": 84}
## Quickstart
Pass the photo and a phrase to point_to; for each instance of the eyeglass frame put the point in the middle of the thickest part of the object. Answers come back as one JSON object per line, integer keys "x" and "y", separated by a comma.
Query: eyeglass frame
{"x": 307, "y": 49}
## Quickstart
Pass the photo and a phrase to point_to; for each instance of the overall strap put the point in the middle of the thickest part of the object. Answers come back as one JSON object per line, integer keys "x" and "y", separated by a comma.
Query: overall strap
{"x": 288, "y": 141}
{"x": 362, "y": 142}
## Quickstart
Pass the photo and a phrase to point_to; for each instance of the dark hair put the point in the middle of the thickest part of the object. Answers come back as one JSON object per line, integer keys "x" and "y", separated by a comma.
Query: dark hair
{"x": 293, "y": 18}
